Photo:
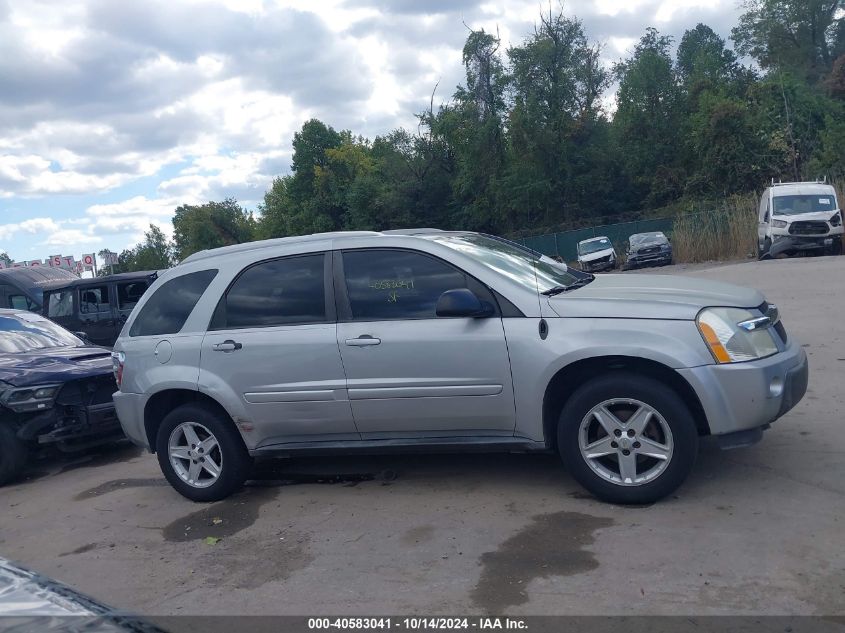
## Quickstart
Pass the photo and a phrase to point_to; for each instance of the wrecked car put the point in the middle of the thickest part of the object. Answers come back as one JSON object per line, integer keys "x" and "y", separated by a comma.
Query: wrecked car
{"x": 648, "y": 249}
{"x": 55, "y": 391}
{"x": 596, "y": 254}
{"x": 799, "y": 217}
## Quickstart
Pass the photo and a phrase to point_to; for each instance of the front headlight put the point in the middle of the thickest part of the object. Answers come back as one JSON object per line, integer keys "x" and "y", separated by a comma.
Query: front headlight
{"x": 779, "y": 224}
{"x": 31, "y": 398}
{"x": 728, "y": 341}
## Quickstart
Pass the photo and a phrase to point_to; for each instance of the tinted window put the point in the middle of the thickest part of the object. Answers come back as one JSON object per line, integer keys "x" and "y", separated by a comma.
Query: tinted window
{"x": 277, "y": 292}
{"x": 94, "y": 299}
{"x": 168, "y": 309}
{"x": 21, "y": 302}
{"x": 386, "y": 284}
{"x": 128, "y": 294}
{"x": 60, "y": 304}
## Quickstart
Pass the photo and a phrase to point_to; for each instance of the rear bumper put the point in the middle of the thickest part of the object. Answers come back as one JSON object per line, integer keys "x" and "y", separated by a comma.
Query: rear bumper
{"x": 130, "y": 412}
{"x": 742, "y": 396}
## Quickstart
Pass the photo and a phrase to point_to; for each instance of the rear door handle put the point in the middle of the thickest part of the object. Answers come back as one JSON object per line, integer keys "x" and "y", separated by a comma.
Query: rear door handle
{"x": 364, "y": 340}
{"x": 227, "y": 346}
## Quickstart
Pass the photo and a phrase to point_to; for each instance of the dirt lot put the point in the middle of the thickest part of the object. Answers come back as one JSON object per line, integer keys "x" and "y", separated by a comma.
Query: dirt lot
{"x": 759, "y": 530}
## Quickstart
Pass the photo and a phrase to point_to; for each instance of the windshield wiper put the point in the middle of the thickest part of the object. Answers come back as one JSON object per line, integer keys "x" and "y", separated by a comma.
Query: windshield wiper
{"x": 579, "y": 283}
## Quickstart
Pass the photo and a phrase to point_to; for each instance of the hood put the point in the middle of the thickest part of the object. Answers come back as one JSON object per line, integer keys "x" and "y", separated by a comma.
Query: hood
{"x": 651, "y": 297}
{"x": 815, "y": 216}
{"x": 597, "y": 255}
{"x": 54, "y": 365}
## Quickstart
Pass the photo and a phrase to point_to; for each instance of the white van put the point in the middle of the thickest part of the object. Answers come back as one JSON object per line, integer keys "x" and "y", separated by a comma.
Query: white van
{"x": 799, "y": 216}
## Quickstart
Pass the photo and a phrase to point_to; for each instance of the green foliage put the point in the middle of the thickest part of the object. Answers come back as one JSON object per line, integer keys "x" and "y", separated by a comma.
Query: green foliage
{"x": 210, "y": 225}
{"x": 4, "y": 256}
{"x": 526, "y": 144}
{"x": 154, "y": 253}
{"x": 800, "y": 36}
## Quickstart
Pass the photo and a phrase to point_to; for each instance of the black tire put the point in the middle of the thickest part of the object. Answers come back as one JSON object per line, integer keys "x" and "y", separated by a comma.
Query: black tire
{"x": 236, "y": 462}
{"x": 13, "y": 454}
{"x": 766, "y": 253}
{"x": 662, "y": 399}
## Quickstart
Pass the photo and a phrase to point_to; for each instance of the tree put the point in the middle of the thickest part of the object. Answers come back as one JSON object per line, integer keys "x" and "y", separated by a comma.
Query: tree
{"x": 556, "y": 81}
{"x": 4, "y": 257}
{"x": 154, "y": 253}
{"x": 803, "y": 37}
{"x": 647, "y": 120}
{"x": 210, "y": 225}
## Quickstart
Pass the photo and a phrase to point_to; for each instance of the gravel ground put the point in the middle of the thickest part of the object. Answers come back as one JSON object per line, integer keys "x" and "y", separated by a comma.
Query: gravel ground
{"x": 757, "y": 530}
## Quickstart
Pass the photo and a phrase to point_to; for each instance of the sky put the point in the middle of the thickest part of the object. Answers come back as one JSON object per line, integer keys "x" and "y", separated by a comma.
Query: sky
{"x": 113, "y": 113}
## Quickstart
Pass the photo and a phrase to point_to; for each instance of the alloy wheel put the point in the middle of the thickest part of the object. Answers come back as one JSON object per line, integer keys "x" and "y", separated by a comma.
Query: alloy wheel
{"x": 195, "y": 454}
{"x": 625, "y": 441}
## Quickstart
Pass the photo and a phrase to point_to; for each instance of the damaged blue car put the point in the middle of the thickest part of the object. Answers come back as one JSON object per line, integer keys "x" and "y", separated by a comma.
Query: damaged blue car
{"x": 55, "y": 391}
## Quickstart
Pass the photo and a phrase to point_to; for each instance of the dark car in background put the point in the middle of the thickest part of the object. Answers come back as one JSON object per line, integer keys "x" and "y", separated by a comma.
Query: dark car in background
{"x": 96, "y": 307}
{"x": 23, "y": 288}
{"x": 55, "y": 391}
{"x": 647, "y": 249}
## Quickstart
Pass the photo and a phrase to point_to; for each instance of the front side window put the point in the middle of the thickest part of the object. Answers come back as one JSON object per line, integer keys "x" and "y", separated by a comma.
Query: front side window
{"x": 60, "y": 304}
{"x": 278, "y": 292}
{"x": 168, "y": 309}
{"x": 386, "y": 284}
{"x": 797, "y": 205}
{"x": 94, "y": 299}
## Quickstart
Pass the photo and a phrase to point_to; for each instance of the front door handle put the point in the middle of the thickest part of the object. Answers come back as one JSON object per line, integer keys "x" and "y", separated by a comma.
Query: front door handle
{"x": 227, "y": 346}
{"x": 365, "y": 340}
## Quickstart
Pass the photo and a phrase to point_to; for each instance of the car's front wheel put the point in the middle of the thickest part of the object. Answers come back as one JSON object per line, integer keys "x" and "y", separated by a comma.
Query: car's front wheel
{"x": 201, "y": 453}
{"x": 627, "y": 438}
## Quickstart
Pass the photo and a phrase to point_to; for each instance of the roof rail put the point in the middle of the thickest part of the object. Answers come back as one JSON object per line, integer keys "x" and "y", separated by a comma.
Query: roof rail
{"x": 823, "y": 181}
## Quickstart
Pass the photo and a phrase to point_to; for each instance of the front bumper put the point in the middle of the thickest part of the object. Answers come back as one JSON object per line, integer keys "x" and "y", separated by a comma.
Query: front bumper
{"x": 598, "y": 266}
{"x": 740, "y": 396}
{"x": 789, "y": 243}
{"x": 130, "y": 412}
{"x": 664, "y": 257}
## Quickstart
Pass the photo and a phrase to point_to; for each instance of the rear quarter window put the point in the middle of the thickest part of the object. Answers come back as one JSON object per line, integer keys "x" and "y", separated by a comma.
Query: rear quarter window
{"x": 167, "y": 310}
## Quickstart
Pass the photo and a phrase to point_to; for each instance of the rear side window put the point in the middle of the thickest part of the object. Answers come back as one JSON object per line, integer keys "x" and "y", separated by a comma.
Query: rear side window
{"x": 168, "y": 309}
{"x": 129, "y": 293}
{"x": 60, "y": 304}
{"x": 94, "y": 299}
{"x": 277, "y": 292}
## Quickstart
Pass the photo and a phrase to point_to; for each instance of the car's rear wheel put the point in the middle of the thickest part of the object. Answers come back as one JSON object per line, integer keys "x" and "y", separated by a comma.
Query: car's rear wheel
{"x": 627, "y": 438}
{"x": 201, "y": 453}
{"x": 13, "y": 454}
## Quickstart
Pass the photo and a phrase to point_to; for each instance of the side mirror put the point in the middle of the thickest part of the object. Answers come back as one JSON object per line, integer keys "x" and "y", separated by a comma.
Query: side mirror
{"x": 462, "y": 302}
{"x": 84, "y": 337}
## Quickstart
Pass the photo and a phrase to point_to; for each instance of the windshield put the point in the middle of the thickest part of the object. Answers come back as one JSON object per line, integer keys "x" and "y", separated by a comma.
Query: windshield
{"x": 512, "y": 261}
{"x": 593, "y": 246}
{"x": 641, "y": 239}
{"x": 23, "y": 332}
{"x": 796, "y": 205}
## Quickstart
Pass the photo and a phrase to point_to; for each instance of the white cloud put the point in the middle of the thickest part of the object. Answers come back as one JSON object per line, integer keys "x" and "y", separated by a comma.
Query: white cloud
{"x": 201, "y": 98}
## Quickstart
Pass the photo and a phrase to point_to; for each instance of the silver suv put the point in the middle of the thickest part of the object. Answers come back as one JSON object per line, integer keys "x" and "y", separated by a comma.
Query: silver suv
{"x": 432, "y": 340}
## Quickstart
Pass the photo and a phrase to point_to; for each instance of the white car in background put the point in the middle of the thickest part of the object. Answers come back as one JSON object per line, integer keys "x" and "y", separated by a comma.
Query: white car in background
{"x": 596, "y": 254}
{"x": 798, "y": 217}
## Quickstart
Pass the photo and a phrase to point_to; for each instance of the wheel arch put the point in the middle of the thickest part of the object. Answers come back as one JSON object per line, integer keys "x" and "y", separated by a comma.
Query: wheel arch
{"x": 165, "y": 401}
{"x": 570, "y": 377}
